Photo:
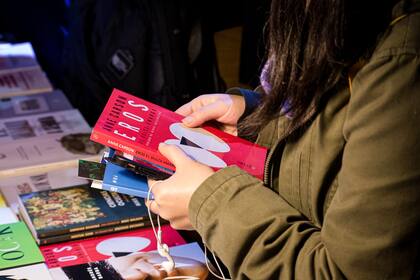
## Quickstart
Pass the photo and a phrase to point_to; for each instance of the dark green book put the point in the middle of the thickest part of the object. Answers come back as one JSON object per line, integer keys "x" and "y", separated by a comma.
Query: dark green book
{"x": 80, "y": 208}
{"x": 17, "y": 246}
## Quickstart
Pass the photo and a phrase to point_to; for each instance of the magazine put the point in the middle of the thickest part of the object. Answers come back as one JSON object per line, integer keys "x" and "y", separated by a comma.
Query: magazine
{"x": 136, "y": 127}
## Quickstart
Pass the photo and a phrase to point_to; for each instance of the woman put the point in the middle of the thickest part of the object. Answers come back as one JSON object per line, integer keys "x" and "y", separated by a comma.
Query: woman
{"x": 339, "y": 110}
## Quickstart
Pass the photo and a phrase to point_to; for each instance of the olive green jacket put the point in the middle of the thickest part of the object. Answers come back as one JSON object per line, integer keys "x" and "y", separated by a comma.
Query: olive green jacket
{"x": 343, "y": 200}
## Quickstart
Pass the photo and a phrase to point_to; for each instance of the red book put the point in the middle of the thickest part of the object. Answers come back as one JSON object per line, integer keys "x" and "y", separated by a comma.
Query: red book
{"x": 107, "y": 246}
{"x": 134, "y": 126}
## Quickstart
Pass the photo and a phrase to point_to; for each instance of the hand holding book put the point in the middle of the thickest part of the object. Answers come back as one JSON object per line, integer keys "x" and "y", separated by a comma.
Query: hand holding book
{"x": 172, "y": 196}
{"x": 224, "y": 108}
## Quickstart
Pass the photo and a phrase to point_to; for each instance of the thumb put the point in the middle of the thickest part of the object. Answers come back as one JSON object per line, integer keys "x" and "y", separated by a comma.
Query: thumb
{"x": 174, "y": 154}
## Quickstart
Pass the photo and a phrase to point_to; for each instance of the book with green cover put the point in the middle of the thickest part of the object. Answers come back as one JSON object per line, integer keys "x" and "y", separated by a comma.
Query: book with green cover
{"x": 17, "y": 246}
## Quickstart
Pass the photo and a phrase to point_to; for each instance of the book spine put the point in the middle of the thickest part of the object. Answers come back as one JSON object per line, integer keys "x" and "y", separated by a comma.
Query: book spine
{"x": 86, "y": 228}
{"x": 122, "y": 190}
{"x": 91, "y": 233}
{"x": 130, "y": 148}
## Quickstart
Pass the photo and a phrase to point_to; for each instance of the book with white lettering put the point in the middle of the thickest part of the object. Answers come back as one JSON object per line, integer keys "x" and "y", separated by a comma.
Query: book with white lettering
{"x": 76, "y": 209}
{"x": 189, "y": 262}
{"x": 18, "y": 247}
{"x": 107, "y": 246}
{"x": 135, "y": 126}
{"x": 26, "y": 105}
{"x": 27, "y": 272}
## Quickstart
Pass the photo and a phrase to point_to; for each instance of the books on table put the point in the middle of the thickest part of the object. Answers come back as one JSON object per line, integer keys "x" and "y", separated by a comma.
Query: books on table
{"x": 42, "y": 142}
{"x": 189, "y": 261}
{"x": 106, "y": 246}
{"x": 12, "y": 187}
{"x": 18, "y": 246}
{"x": 20, "y": 73}
{"x": 26, "y": 105}
{"x": 134, "y": 126}
{"x": 80, "y": 211}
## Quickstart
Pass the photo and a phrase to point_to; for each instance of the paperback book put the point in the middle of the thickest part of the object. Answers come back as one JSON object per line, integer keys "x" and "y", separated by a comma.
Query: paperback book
{"x": 23, "y": 81}
{"x": 76, "y": 209}
{"x": 189, "y": 262}
{"x": 134, "y": 126}
{"x": 28, "y": 272}
{"x": 27, "y": 105}
{"x": 38, "y": 126}
{"x": 107, "y": 246}
{"x": 121, "y": 180}
{"x": 18, "y": 247}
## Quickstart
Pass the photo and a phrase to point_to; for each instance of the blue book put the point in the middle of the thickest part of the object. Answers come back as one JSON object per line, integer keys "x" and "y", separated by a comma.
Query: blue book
{"x": 121, "y": 180}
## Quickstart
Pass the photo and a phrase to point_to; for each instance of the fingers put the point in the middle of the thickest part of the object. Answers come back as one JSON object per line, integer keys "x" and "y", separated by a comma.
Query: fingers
{"x": 174, "y": 155}
{"x": 211, "y": 111}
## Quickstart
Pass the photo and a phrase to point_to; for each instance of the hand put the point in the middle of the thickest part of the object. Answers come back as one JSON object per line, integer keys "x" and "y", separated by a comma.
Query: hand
{"x": 172, "y": 196}
{"x": 224, "y": 108}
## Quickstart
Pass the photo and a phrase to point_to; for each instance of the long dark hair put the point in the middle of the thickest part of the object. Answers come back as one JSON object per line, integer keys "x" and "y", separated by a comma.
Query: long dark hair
{"x": 311, "y": 46}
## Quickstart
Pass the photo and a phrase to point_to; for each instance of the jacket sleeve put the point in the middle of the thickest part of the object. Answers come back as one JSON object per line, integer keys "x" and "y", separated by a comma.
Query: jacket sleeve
{"x": 371, "y": 228}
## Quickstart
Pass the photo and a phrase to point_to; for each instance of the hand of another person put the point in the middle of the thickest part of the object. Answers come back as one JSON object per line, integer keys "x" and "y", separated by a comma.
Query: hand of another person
{"x": 223, "y": 108}
{"x": 172, "y": 196}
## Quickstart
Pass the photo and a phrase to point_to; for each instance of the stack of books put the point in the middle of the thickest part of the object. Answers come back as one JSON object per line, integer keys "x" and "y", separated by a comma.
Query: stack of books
{"x": 53, "y": 225}
{"x": 133, "y": 128}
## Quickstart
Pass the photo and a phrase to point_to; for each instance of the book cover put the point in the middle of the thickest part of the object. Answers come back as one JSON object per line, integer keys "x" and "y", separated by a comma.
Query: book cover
{"x": 43, "y": 154}
{"x": 119, "y": 179}
{"x": 189, "y": 261}
{"x": 7, "y": 216}
{"x": 135, "y": 126}
{"x": 18, "y": 246}
{"x": 26, "y": 128}
{"x": 12, "y": 187}
{"x": 78, "y": 208}
{"x": 107, "y": 246}
{"x": 28, "y": 272}
{"x": 23, "y": 81}
{"x": 27, "y": 105}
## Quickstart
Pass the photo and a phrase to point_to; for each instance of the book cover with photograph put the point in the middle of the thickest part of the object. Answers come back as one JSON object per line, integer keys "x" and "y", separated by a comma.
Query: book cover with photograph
{"x": 136, "y": 127}
{"x": 26, "y": 128}
{"x": 28, "y": 272}
{"x": 107, "y": 246}
{"x": 69, "y": 210}
{"x": 12, "y": 187}
{"x": 18, "y": 246}
{"x": 27, "y": 105}
{"x": 43, "y": 154}
{"x": 189, "y": 261}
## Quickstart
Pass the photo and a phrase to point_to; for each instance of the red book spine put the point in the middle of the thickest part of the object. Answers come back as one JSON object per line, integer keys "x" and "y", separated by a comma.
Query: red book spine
{"x": 129, "y": 147}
